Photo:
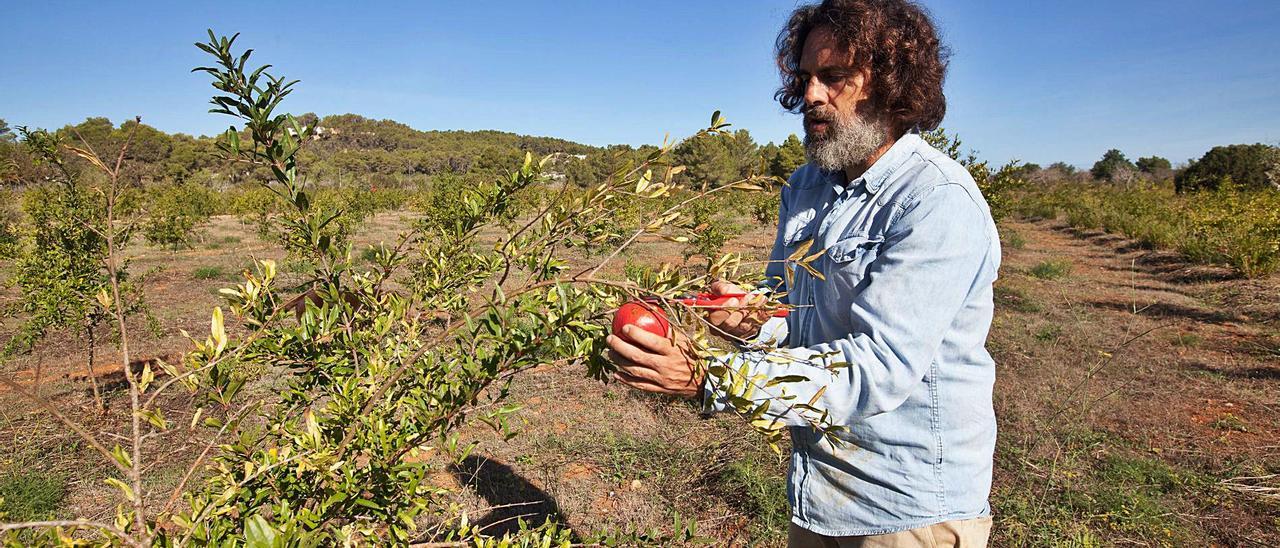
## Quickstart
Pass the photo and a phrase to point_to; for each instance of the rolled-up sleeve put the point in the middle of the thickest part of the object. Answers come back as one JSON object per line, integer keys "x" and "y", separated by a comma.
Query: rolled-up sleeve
{"x": 925, "y": 270}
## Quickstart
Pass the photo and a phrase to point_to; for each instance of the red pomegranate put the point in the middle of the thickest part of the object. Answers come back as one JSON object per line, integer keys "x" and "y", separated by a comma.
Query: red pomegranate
{"x": 647, "y": 316}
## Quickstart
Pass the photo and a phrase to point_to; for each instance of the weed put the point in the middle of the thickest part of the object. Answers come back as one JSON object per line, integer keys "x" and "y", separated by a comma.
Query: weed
{"x": 1189, "y": 340}
{"x": 298, "y": 266}
{"x": 1049, "y": 333}
{"x": 208, "y": 273}
{"x": 1013, "y": 239}
{"x": 1015, "y": 299}
{"x": 754, "y": 487}
{"x": 1051, "y": 270}
{"x": 1231, "y": 423}
{"x": 30, "y": 496}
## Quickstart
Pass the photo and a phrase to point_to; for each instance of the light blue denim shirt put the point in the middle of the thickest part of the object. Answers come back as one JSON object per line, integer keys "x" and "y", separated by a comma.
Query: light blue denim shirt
{"x": 896, "y": 334}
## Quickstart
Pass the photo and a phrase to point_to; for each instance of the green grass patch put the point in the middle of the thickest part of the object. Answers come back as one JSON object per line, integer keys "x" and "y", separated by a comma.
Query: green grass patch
{"x": 1013, "y": 239}
{"x": 298, "y": 266}
{"x": 1049, "y": 333}
{"x": 1189, "y": 340}
{"x": 208, "y": 273}
{"x": 760, "y": 491}
{"x": 1230, "y": 422}
{"x": 1015, "y": 299}
{"x": 1094, "y": 492}
{"x": 30, "y": 496}
{"x": 1051, "y": 270}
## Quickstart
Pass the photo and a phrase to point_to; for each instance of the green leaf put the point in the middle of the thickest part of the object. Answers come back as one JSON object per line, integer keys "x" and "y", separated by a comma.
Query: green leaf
{"x": 155, "y": 417}
{"x": 121, "y": 456}
{"x": 785, "y": 379}
{"x": 258, "y": 533}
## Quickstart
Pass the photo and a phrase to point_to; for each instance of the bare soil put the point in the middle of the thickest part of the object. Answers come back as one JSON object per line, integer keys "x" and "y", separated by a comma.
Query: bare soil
{"x": 1137, "y": 395}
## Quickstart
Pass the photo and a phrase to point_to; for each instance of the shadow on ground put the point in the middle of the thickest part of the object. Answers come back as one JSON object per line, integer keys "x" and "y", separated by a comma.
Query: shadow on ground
{"x": 510, "y": 496}
{"x": 1171, "y": 311}
{"x": 1254, "y": 373}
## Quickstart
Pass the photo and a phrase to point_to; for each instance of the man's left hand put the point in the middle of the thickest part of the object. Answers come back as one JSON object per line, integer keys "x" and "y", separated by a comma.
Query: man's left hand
{"x": 655, "y": 363}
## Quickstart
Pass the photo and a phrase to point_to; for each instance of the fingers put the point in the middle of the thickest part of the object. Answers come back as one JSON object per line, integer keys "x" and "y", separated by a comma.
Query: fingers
{"x": 721, "y": 287}
{"x": 621, "y": 350}
{"x": 640, "y": 374}
{"x": 720, "y": 314}
{"x": 653, "y": 343}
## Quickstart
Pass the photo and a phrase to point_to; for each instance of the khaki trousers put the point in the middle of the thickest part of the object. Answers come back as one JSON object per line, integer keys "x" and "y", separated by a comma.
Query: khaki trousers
{"x": 968, "y": 533}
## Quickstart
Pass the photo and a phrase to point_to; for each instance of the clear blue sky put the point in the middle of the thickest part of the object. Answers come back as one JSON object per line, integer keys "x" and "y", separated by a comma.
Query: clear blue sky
{"x": 1039, "y": 81}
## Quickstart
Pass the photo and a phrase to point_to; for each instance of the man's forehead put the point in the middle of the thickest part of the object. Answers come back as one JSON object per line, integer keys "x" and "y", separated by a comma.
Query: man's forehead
{"x": 822, "y": 50}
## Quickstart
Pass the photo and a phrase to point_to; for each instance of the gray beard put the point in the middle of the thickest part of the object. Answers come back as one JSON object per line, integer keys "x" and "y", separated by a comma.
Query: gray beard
{"x": 848, "y": 143}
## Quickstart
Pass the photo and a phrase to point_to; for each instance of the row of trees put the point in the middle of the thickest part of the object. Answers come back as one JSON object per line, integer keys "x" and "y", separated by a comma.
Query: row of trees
{"x": 1251, "y": 167}
{"x": 349, "y": 148}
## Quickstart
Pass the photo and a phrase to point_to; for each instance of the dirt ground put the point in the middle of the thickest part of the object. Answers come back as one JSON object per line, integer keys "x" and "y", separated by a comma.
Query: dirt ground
{"x": 1138, "y": 399}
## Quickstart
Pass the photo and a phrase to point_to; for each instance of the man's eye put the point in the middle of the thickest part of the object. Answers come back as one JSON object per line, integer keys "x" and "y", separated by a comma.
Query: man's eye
{"x": 830, "y": 78}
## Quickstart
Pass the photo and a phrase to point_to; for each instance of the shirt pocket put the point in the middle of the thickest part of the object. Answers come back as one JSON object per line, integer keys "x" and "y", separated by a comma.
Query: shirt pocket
{"x": 848, "y": 261}
{"x": 798, "y": 228}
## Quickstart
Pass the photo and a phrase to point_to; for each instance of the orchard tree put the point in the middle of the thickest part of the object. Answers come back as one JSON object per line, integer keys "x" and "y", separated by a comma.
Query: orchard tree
{"x": 63, "y": 266}
{"x": 1247, "y": 166}
{"x": 1153, "y": 164}
{"x": 372, "y": 370}
{"x": 790, "y": 156}
{"x": 1063, "y": 167}
{"x": 1113, "y": 167}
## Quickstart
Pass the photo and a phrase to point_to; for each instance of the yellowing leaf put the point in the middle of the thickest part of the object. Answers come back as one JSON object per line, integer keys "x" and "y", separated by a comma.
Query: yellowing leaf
{"x": 128, "y": 491}
{"x": 217, "y": 332}
{"x": 801, "y": 250}
{"x": 104, "y": 298}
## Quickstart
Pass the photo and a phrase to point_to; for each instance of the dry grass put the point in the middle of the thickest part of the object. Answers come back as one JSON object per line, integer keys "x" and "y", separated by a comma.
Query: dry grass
{"x": 1106, "y": 436}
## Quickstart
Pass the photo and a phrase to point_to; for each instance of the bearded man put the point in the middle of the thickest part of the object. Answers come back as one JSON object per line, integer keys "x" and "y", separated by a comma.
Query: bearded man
{"x": 891, "y": 337}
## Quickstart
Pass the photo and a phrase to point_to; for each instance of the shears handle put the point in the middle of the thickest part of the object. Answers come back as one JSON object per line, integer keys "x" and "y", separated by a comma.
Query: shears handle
{"x": 707, "y": 300}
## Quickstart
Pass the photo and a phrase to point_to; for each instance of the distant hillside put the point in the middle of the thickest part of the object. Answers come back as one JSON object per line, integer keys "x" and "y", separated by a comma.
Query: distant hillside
{"x": 354, "y": 143}
{"x": 347, "y": 146}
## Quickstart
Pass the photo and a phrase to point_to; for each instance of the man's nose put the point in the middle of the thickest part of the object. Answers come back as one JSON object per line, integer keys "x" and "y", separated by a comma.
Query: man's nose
{"x": 814, "y": 92}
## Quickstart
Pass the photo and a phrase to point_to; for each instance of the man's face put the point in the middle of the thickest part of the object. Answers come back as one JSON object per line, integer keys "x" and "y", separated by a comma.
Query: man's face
{"x": 836, "y": 134}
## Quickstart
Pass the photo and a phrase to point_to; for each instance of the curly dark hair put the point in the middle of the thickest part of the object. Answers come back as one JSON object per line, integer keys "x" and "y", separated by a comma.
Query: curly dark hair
{"x": 895, "y": 38}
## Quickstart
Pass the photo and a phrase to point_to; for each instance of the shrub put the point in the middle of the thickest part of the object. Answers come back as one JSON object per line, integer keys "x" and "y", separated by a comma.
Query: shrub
{"x": 998, "y": 188}
{"x": 1113, "y": 167}
{"x": 1251, "y": 167}
{"x": 765, "y": 205}
{"x": 255, "y": 205}
{"x": 1051, "y": 270}
{"x": 175, "y": 210}
{"x": 1228, "y": 226}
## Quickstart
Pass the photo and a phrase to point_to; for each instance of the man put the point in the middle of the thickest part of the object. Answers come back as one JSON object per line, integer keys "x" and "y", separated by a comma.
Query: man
{"x": 890, "y": 339}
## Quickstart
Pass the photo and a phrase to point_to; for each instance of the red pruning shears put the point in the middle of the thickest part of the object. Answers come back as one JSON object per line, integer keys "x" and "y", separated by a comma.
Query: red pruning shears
{"x": 707, "y": 300}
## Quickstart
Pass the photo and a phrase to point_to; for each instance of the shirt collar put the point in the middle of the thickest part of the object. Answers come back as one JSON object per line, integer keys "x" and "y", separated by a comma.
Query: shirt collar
{"x": 898, "y": 154}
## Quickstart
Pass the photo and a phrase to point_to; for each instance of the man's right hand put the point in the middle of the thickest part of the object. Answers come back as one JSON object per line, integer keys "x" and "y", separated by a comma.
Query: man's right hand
{"x": 738, "y": 319}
